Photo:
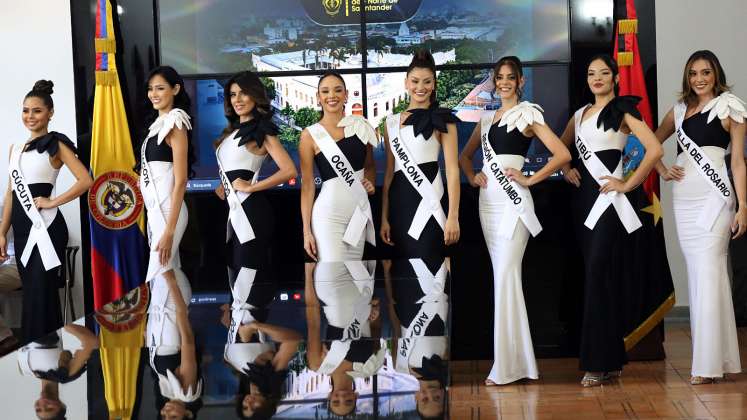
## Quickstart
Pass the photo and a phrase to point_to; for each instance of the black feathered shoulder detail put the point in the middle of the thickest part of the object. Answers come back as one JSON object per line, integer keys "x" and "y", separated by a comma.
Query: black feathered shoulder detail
{"x": 50, "y": 143}
{"x": 424, "y": 121}
{"x": 257, "y": 129}
{"x": 613, "y": 113}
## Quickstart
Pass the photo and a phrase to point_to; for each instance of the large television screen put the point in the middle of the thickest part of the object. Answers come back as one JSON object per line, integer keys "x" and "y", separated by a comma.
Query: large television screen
{"x": 218, "y": 37}
{"x": 468, "y": 92}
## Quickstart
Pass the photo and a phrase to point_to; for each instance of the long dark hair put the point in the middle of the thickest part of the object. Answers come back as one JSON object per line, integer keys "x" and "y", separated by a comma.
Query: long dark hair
{"x": 251, "y": 85}
{"x": 609, "y": 62}
{"x": 329, "y": 73}
{"x": 43, "y": 90}
{"x": 515, "y": 64}
{"x": 181, "y": 101}
{"x": 422, "y": 59}
{"x": 271, "y": 389}
{"x": 687, "y": 95}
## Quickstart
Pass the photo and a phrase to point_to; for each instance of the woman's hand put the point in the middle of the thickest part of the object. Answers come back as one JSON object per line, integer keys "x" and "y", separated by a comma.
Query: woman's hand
{"x": 674, "y": 173}
{"x": 309, "y": 244}
{"x": 572, "y": 176}
{"x": 613, "y": 184}
{"x": 386, "y": 232}
{"x": 242, "y": 185}
{"x": 220, "y": 192}
{"x": 368, "y": 186}
{"x": 3, "y": 248}
{"x": 739, "y": 225}
{"x": 480, "y": 180}
{"x": 451, "y": 231}
{"x": 164, "y": 247}
{"x": 518, "y": 177}
{"x": 43, "y": 203}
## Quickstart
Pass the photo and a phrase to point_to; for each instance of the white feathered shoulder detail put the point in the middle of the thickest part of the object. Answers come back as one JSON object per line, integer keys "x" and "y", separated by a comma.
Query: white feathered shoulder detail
{"x": 359, "y": 126}
{"x": 726, "y": 105}
{"x": 165, "y": 123}
{"x": 171, "y": 388}
{"x": 372, "y": 365}
{"x": 521, "y": 116}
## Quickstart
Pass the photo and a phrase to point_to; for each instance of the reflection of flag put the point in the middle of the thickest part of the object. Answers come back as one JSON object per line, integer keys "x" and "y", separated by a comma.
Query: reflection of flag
{"x": 649, "y": 289}
{"x": 114, "y": 201}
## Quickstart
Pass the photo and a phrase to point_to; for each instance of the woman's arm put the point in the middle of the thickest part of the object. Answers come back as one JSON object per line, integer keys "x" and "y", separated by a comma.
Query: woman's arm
{"x": 179, "y": 143}
{"x": 369, "y": 171}
{"x": 286, "y": 168}
{"x": 385, "y": 230}
{"x": 560, "y": 157}
{"x": 308, "y": 188}
{"x": 571, "y": 175}
{"x": 665, "y": 130}
{"x": 82, "y": 183}
{"x": 653, "y": 154}
{"x": 737, "y": 132}
{"x": 451, "y": 161}
{"x": 465, "y": 160}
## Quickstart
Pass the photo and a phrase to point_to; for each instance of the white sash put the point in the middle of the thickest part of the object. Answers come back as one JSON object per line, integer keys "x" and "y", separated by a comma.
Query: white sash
{"x": 430, "y": 204}
{"x": 236, "y": 215}
{"x": 714, "y": 176}
{"x": 150, "y": 195}
{"x": 517, "y": 194}
{"x": 240, "y": 309}
{"x": 336, "y": 354}
{"x": 38, "y": 235}
{"x": 362, "y": 219}
{"x": 596, "y": 168}
{"x": 44, "y": 359}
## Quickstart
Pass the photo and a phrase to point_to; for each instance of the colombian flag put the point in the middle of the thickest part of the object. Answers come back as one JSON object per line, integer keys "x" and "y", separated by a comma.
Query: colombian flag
{"x": 649, "y": 291}
{"x": 115, "y": 204}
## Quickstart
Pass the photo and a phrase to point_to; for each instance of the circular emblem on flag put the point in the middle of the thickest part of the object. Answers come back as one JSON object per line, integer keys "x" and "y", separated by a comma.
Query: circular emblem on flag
{"x": 115, "y": 200}
{"x": 125, "y": 313}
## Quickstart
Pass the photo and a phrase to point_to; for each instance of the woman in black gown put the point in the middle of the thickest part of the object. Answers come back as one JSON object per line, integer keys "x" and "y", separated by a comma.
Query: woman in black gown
{"x": 600, "y": 131}
{"x": 40, "y": 232}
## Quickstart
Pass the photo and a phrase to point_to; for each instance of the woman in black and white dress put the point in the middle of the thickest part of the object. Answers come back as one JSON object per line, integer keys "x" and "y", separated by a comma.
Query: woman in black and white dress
{"x": 338, "y": 223}
{"x": 413, "y": 219}
{"x": 40, "y": 232}
{"x": 507, "y": 211}
{"x": 166, "y": 158}
{"x": 600, "y": 132}
{"x": 706, "y": 121}
{"x": 240, "y": 151}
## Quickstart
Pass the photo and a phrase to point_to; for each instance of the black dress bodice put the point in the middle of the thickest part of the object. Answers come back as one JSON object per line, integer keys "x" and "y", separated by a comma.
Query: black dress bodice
{"x": 353, "y": 149}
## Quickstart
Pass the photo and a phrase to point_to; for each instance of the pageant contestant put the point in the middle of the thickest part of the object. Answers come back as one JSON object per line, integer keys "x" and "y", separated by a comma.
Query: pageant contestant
{"x": 39, "y": 228}
{"x": 507, "y": 211}
{"x": 166, "y": 158}
{"x": 600, "y": 131}
{"x": 246, "y": 141}
{"x": 340, "y": 222}
{"x": 412, "y": 217}
{"x": 706, "y": 120}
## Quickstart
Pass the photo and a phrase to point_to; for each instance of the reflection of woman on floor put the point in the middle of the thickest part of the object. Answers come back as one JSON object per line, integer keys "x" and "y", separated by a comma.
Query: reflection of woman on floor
{"x": 262, "y": 364}
{"x": 349, "y": 352}
{"x": 47, "y": 360}
{"x": 171, "y": 345}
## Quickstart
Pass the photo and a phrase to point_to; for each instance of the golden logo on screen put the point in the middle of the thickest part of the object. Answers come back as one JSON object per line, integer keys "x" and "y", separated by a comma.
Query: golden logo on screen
{"x": 332, "y": 7}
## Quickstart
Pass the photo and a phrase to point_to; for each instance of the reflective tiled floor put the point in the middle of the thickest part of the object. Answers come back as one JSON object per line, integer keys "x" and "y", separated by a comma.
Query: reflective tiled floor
{"x": 647, "y": 390}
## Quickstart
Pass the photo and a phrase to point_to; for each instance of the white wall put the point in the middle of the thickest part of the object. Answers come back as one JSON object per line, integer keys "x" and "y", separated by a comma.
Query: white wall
{"x": 36, "y": 43}
{"x": 682, "y": 27}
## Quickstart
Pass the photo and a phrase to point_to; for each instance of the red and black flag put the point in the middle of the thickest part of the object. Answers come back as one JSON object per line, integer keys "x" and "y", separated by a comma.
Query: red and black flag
{"x": 649, "y": 291}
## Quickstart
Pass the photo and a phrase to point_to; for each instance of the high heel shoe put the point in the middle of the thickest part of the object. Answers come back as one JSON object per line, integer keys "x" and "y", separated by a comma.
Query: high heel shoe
{"x": 591, "y": 379}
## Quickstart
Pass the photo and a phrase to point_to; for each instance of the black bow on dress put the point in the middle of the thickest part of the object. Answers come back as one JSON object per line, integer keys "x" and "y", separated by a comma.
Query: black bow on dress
{"x": 424, "y": 121}
{"x": 50, "y": 142}
{"x": 613, "y": 113}
{"x": 256, "y": 129}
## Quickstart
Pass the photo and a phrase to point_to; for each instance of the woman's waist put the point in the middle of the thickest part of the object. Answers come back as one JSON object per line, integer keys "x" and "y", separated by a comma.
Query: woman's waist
{"x": 504, "y": 161}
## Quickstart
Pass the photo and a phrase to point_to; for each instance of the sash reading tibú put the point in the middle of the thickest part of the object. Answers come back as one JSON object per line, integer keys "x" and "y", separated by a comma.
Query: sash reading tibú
{"x": 38, "y": 235}
{"x": 517, "y": 194}
{"x": 714, "y": 176}
{"x": 596, "y": 168}
{"x": 431, "y": 193}
{"x": 236, "y": 216}
{"x": 362, "y": 219}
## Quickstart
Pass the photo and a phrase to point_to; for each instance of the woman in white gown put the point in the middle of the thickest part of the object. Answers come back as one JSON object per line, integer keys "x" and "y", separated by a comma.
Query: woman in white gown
{"x": 706, "y": 120}
{"x": 337, "y": 225}
{"x": 507, "y": 211}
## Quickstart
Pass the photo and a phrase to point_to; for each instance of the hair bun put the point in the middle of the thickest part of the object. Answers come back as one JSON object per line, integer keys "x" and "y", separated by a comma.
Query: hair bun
{"x": 43, "y": 86}
{"x": 423, "y": 58}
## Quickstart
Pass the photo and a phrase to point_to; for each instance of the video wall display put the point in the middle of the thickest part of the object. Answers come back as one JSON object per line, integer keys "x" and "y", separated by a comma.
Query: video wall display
{"x": 204, "y": 39}
{"x": 224, "y": 36}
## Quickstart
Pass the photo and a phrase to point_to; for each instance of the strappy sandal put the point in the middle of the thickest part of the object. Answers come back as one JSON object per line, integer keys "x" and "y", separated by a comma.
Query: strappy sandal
{"x": 593, "y": 379}
{"x": 701, "y": 380}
